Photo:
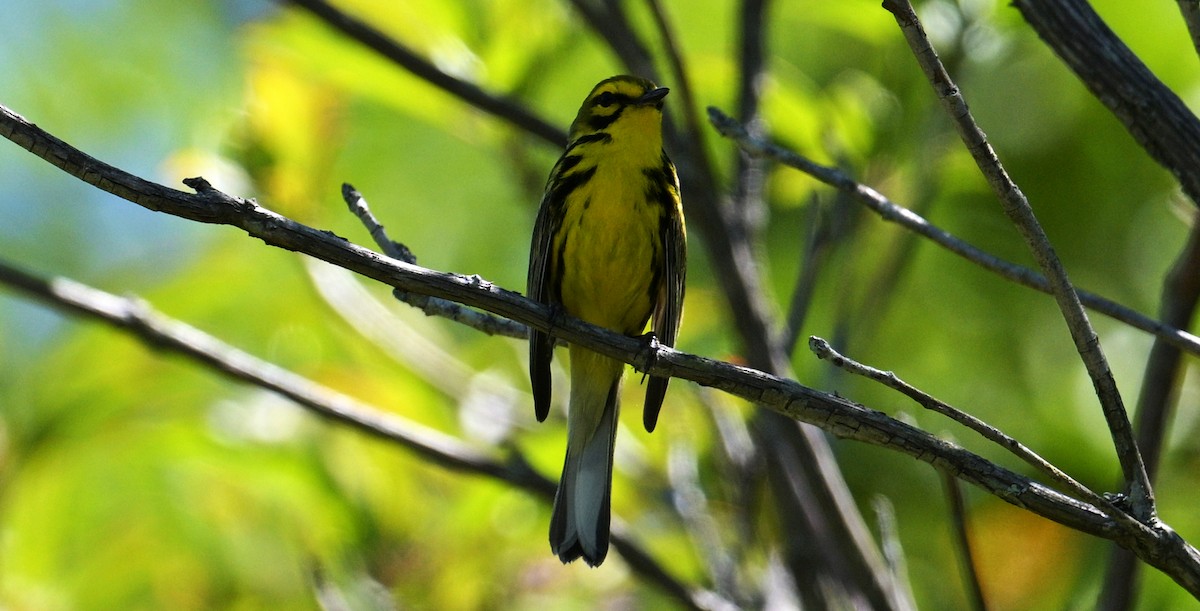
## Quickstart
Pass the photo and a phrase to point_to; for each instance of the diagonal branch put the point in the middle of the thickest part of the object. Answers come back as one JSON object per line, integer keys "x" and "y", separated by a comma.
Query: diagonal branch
{"x": 824, "y": 351}
{"x": 162, "y": 333}
{"x": 890, "y": 211}
{"x": 1156, "y": 400}
{"x": 1164, "y": 367}
{"x": 506, "y": 108}
{"x": 1190, "y": 10}
{"x": 480, "y": 321}
{"x": 1016, "y": 207}
{"x": 679, "y": 74}
{"x": 962, "y": 537}
{"x": 835, "y": 541}
{"x": 610, "y": 21}
{"x": 1153, "y": 114}
{"x": 749, "y": 175}
{"x": 1159, "y": 546}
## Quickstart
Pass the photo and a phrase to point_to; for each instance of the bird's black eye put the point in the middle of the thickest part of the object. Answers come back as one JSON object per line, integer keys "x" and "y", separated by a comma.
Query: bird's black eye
{"x": 606, "y": 99}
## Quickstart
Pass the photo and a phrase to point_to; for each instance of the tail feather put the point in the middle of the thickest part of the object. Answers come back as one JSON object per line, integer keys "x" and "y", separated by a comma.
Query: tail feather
{"x": 582, "y": 506}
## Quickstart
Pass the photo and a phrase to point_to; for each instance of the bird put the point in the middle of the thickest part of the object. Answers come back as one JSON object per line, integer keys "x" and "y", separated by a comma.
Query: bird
{"x": 610, "y": 248}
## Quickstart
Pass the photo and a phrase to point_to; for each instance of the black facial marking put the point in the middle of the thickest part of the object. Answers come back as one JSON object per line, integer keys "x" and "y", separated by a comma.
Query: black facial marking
{"x": 599, "y": 122}
{"x": 597, "y": 137}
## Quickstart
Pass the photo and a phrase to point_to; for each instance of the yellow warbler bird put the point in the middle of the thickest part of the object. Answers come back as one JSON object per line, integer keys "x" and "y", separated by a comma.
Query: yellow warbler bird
{"x": 609, "y": 247}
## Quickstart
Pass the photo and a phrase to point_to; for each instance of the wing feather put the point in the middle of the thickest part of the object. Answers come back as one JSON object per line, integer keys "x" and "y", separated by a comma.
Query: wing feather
{"x": 541, "y": 345}
{"x": 668, "y": 310}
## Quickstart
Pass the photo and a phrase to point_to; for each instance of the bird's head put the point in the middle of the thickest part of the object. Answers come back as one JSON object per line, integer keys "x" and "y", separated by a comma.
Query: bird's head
{"x": 622, "y": 106}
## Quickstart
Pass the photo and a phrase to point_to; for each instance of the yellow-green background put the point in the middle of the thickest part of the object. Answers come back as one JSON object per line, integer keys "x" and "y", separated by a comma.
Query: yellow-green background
{"x": 133, "y": 480}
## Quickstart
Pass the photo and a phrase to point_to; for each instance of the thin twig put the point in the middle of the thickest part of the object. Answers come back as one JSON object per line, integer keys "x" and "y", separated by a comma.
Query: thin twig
{"x": 822, "y": 482}
{"x": 159, "y": 332}
{"x": 889, "y": 541}
{"x": 890, "y": 211}
{"x": 1156, "y": 400}
{"x": 493, "y": 396}
{"x": 691, "y": 503}
{"x": 816, "y": 245}
{"x": 733, "y": 257}
{"x": 505, "y": 108}
{"x": 749, "y": 174}
{"x": 820, "y": 479}
{"x": 1121, "y": 581}
{"x": 679, "y": 74}
{"x": 962, "y": 537}
{"x": 1016, "y": 207}
{"x": 431, "y": 306}
{"x": 824, "y": 351}
{"x": 1190, "y": 9}
{"x": 1164, "y": 366}
{"x": 162, "y": 333}
{"x": 1157, "y": 119}
{"x": 609, "y": 20}
{"x": 837, "y": 416}
{"x": 752, "y": 48}
{"x": 358, "y": 205}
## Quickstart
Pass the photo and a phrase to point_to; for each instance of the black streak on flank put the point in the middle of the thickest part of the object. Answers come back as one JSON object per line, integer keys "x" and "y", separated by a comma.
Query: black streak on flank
{"x": 567, "y": 185}
{"x": 567, "y": 163}
{"x": 656, "y": 188}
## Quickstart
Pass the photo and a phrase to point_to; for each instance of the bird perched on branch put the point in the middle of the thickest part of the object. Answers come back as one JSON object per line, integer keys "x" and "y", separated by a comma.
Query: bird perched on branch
{"x": 609, "y": 247}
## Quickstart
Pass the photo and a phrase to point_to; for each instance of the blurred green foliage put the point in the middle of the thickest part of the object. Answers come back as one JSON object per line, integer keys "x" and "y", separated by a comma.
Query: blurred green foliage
{"x": 132, "y": 480}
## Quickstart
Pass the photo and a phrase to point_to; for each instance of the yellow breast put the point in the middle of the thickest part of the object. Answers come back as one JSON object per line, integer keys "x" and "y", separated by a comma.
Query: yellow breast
{"x": 611, "y": 250}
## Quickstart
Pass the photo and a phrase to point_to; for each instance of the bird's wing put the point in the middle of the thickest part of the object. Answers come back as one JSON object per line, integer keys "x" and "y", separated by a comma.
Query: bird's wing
{"x": 541, "y": 345}
{"x": 668, "y": 311}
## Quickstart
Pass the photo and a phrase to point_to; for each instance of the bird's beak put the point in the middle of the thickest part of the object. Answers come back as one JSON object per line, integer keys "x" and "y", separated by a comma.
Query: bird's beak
{"x": 652, "y": 97}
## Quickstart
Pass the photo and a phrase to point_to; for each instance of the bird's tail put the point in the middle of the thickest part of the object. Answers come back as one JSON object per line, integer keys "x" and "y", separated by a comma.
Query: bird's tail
{"x": 579, "y": 526}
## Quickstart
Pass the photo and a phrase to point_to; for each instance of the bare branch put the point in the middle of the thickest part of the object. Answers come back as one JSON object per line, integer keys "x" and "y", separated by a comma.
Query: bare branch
{"x": 1016, "y": 207}
{"x": 679, "y": 73}
{"x": 749, "y": 174}
{"x": 1121, "y": 582}
{"x": 893, "y": 552}
{"x": 608, "y": 19}
{"x": 1180, "y": 293}
{"x": 1160, "y": 547}
{"x": 958, "y": 517}
{"x": 824, "y": 351}
{"x": 890, "y": 211}
{"x": 1156, "y": 118}
{"x": 505, "y": 108}
{"x": 1190, "y": 9}
{"x": 836, "y": 520}
{"x": 162, "y": 333}
{"x": 1157, "y": 399}
{"x": 431, "y": 306}
{"x": 817, "y": 243}
{"x": 358, "y": 205}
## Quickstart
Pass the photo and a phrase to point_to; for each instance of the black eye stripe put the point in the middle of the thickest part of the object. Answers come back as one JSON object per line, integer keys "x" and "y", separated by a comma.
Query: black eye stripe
{"x": 608, "y": 98}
